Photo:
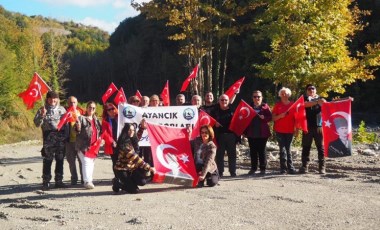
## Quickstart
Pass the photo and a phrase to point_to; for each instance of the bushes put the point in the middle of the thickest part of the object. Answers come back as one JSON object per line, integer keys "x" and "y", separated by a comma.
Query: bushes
{"x": 363, "y": 136}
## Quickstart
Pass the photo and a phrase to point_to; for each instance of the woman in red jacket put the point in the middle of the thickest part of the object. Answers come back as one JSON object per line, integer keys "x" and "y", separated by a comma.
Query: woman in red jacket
{"x": 109, "y": 125}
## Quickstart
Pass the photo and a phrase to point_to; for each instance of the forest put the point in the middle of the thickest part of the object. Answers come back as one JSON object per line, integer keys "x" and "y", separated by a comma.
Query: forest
{"x": 332, "y": 44}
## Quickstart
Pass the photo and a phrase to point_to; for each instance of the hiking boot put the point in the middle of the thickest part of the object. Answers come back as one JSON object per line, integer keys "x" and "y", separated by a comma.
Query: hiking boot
{"x": 45, "y": 186}
{"x": 304, "y": 169}
{"x": 283, "y": 171}
{"x": 262, "y": 172}
{"x": 251, "y": 172}
{"x": 233, "y": 175}
{"x": 74, "y": 182}
{"x": 322, "y": 170}
{"x": 292, "y": 171}
{"x": 60, "y": 184}
{"x": 115, "y": 185}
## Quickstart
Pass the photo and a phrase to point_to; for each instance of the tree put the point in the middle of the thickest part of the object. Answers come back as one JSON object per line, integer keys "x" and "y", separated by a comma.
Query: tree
{"x": 309, "y": 44}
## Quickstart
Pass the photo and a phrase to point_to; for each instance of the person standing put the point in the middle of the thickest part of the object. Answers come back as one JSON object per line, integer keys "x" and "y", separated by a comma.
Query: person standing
{"x": 225, "y": 138}
{"x": 71, "y": 153}
{"x": 284, "y": 126}
{"x": 48, "y": 117}
{"x": 110, "y": 125}
{"x": 313, "y": 105}
{"x": 258, "y": 133}
{"x": 88, "y": 127}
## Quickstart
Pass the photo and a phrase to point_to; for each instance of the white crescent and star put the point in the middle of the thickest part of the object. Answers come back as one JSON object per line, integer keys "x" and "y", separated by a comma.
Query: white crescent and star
{"x": 33, "y": 92}
{"x": 248, "y": 112}
{"x": 160, "y": 154}
{"x": 109, "y": 91}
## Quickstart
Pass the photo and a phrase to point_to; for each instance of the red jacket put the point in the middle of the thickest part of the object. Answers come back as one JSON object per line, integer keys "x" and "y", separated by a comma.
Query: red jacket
{"x": 106, "y": 127}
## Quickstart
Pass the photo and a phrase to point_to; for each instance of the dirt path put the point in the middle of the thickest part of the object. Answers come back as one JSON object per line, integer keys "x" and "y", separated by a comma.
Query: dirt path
{"x": 347, "y": 197}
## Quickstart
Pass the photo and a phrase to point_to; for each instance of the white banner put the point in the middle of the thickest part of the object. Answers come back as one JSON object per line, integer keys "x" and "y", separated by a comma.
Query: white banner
{"x": 173, "y": 116}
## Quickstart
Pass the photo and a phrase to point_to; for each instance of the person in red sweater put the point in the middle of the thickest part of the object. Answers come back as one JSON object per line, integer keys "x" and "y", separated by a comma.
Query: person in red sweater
{"x": 284, "y": 126}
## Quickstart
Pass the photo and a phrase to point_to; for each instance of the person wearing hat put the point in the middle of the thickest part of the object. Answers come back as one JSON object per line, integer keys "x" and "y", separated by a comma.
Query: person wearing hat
{"x": 313, "y": 110}
{"x": 48, "y": 117}
{"x": 342, "y": 145}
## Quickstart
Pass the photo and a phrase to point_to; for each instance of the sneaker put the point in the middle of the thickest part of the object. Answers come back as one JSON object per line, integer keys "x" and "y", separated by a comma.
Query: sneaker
{"x": 303, "y": 169}
{"x": 60, "y": 184}
{"x": 45, "y": 186}
{"x": 233, "y": 174}
{"x": 292, "y": 171}
{"x": 74, "y": 182}
{"x": 283, "y": 171}
{"x": 89, "y": 185}
{"x": 322, "y": 170}
{"x": 262, "y": 172}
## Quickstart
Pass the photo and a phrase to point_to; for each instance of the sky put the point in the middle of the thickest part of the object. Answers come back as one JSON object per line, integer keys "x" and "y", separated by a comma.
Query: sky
{"x": 105, "y": 14}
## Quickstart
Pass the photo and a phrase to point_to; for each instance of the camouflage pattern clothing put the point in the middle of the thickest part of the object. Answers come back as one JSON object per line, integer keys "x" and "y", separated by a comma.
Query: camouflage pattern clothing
{"x": 53, "y": 140}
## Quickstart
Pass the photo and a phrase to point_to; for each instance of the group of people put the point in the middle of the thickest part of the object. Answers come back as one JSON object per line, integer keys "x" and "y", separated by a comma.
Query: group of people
{"x": 133, "y": 165}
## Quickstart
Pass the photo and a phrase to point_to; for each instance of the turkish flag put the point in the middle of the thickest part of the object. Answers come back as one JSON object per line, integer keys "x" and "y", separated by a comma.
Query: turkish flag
{"x": 111, "y": 90}
{"x": 243, "y": 115}
{"x": 69, "y": 116}
{"x": 138, "y": 94}
{"x": 236, "y": 86}
{"x": 192, "y": 75}
{"x": 37, "y": 87}
{"x": 120, "y": 97}
{"x": 165, "y": 95}
{"x": 203, "y": 119}
{"x": 337, "y": 128}
{"x": 298, "y": 110}
{"x": 172, "y": 156}
{"x": 94, "y": 148}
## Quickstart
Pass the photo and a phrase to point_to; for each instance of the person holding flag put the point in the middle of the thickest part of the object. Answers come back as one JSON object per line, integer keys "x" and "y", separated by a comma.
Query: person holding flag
{"x": 284, "y": 126}
{"x": 130, "y": 169}
{"x": 71, "y": 153}
{"x": 258, "y": 133}
{"x": 48, "y": 117}
{"x": 313, "y": 105}
{"x": 89, "y": 128}
{"x": 225, "y": 138}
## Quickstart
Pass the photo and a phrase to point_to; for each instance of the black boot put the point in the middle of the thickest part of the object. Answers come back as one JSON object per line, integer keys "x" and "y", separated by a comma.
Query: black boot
{"x": 46, "y": 182}
{"x": 115, "y": 185}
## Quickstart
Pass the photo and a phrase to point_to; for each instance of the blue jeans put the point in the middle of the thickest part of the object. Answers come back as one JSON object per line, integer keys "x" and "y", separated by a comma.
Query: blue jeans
{"x": 284, "y": 141}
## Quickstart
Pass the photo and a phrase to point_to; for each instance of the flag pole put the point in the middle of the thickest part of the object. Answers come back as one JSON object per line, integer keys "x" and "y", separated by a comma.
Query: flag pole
{"x": 42, "y": 99}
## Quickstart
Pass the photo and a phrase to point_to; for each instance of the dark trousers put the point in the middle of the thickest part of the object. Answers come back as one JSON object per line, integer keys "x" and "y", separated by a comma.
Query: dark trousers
{"x": 307, "y": 140}
{"x": 114, "y": 157}
{"x": 72, "y": 157}
{"x": 226, "y": 142}
{"x": 46, "y": 169}
{"x": 257, "y": 151}
{"x": 131, "y": 180}
{"x": 284, "y": 141}
{"x": 211, "y": 179}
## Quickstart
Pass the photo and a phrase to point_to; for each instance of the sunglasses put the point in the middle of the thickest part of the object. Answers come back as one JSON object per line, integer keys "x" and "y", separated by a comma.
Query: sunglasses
{"x": 136, "y": 101}
{"x": 111, "y": 109}
{"x": 92, "y": 108}
{"x": 256, "y": 96}
{"x": 204, "y": 132}
{"x": 223, "y": 99}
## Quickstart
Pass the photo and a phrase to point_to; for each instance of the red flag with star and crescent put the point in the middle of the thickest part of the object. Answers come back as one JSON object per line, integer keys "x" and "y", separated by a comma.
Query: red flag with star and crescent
{"x": 233, "y": 88}
{"x": 172, "y": 156}
{"x": 37, "y": 87}
{"x": 93, "y": 151}
{"x": 165, "y": 95}
{"x": 120, "y": 97}
{"x": 192, "y": 75}
{"x": 69, "y": 116}
{"x": 203, "y": 119}
{"x": 110, "y": 90}
{"x": 298, "y": 110}
{"x": 138, "y": 94}
{"x": 242, "y": 117}
{"x": 337, "y": 128}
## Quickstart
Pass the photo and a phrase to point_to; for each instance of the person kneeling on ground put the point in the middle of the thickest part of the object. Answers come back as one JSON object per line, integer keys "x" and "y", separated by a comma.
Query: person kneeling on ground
{"x": 130, "y": 169}
{"x": 204, "y": 152}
